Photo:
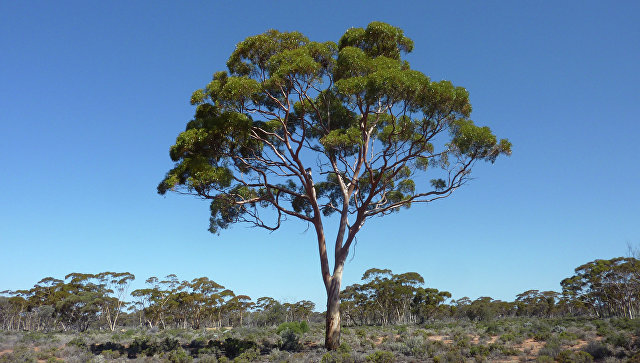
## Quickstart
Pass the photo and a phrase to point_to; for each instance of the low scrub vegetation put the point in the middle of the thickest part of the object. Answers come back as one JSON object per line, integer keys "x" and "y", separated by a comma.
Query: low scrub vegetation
{"x": 506, "y": 340}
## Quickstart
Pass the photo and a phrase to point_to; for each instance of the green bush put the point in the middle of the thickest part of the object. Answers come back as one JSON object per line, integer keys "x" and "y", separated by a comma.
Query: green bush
{"x": 234, "y": 347}
{"x": 20, "y": 354}
{"x": 567, "y": 356}
{"x": 567, "y": 336}
{"x": 597, "y": 350}
{"x": 380, "y": 356}
{"x": 626, "y": 324}
{"x": 602, "y": 327}
{"x": 298, "y": 327}
{"x": 479, "y": 350}
{"x": 178, "y": 355}
{"x": 508, "y": 337}
{"x": 249, "y": 355}
{"x": 545, "y": 359}
{"x": 337, "y": 357}
{"x": 493, "y": 328}
{"x": 619, "y": 340}
{"x": 345, "y": 348}
{"x": 110, "y": 354}
{"x": 417, "y": 346}
{"x": 454, "y": 356}
{"x": 290, "y": 341}
{"x": 77, "y": 342}
{"x": 634, "y": 358}
{"x": 552, "y": 348}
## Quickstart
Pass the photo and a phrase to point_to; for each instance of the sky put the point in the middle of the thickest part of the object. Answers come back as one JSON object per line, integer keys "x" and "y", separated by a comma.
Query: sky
{"x": 93, "y": 94}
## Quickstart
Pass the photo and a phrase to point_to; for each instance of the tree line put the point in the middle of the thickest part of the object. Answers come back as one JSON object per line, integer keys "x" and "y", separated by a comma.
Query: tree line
{"x": 601, "y": 288}
{"x": 101, "y": 301}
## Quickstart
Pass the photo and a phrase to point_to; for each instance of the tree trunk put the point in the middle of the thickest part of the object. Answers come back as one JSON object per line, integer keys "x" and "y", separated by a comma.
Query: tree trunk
{"x": 332, "y": 333}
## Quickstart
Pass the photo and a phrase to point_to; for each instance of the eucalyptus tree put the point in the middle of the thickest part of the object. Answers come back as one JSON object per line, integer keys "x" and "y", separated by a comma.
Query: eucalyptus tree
{"x": 117, "y": 286}
{"x": 303, "y": 310}
{"x": 606, "y": 287}
{"x": 310, "y": 129}
{"x": 428, "y": 302}
{"x": 536, "y": 303}
{"x": 239, "y": 305}
{"x": 154, "y": 300}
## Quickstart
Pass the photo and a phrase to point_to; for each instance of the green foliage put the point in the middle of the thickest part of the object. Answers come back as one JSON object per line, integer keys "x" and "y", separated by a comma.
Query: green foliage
{"x": 290, "y": 341}
{"x": 597, "y": 350}
{"x": 381, "y": 356}
{"x": 567, "y": 356}
{"x": 619, "y": 340}
{"x": 275, "y": 103}
{"x": 545, "y": 359}
{"x": 78, "y": 342}
{"x": 337, "y": 357}
{"x": 178, "y": 355}
{"x": 233, "y": 347}
{"x": 479, "y": 350}
{"x": 298, "y": 327}
{"x": 602, "y": 286}
{"x": 20, "y": 354}
{"x": 551, "y": 348}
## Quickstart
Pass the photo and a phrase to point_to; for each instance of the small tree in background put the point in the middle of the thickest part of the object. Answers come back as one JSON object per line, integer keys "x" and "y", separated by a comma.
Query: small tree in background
{"x": 312, "y": 129}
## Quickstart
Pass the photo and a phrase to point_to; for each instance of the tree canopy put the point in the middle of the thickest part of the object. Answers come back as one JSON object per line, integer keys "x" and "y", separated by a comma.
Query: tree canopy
{"x": 354, "y": 113}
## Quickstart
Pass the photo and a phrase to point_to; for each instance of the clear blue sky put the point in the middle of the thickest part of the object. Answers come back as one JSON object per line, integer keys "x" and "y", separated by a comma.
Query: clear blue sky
{"x": 94, "y": 93}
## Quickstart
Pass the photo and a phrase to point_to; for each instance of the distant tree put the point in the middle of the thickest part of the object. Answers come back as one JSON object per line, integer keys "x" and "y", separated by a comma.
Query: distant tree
{"x": 303, "y": 310}
{"x": 117, "y": 285}
{"x": 239, "y": 305}
{"x": 310, "y": 129}
{"x": 388, "y": 298}
{"x": 606, "y": 287}
{"x": 428, "y": 302}
{"x": 155, "y": 299}
{"x": 536, "y": 303}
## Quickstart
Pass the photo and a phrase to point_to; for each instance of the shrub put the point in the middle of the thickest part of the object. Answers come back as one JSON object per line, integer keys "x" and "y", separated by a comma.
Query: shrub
{"x": 290, "y": 341}
{"x": 493, "y": 329}
{"x": 567, "y": 336}
{"x": 337, "y": 357}
{"x": 545, "y": 359}
{"x": 234, "y": 347}
{"x": 626, "y": 324}
{"x": 635, "y": 358}
{"x": 178, "y": 355}
{"x": 249, "y": 355}
{"x": 380, "y": 356}
{"x": 345, "y": 348}
{"x": 108, "y": 346}
{"x": 479, "y": 350}
{"x": 454, "y": 356}
{"x": 567, "y": 356}
{"x": 298, "y": 327}
{"x": 77, "y": 342}
{"x": 602, "y": 327}
{"x": 551, "y": 348}
{"x": 508, "y": 337}
{"x": 141, "y": 345}
{"x": 417, "y": 346}
{"x": 597, "y": 350}
{"x": 110, "y": 354}
{"x": 619, "y": 340}
{"x": 20, "y": 354}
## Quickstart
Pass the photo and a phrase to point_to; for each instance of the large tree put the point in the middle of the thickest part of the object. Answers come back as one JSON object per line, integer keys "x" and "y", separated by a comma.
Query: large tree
{"x": 311, "y": 129}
